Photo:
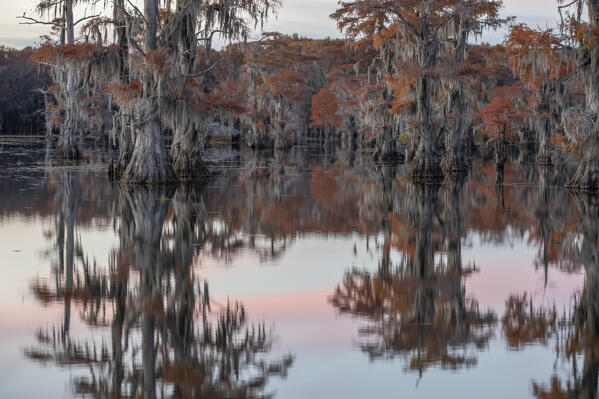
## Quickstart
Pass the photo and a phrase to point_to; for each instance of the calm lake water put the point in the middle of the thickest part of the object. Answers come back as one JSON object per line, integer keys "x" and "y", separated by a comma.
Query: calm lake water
{"x": 310, "y": 275}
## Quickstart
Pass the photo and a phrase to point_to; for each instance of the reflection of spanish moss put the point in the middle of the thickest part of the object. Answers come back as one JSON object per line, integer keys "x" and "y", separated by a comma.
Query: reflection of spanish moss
{"x": 167, "y": 337}
{"x": 524, "y": 325}
{"x": 577, "y": 333}
{"x": 416, "y": 309}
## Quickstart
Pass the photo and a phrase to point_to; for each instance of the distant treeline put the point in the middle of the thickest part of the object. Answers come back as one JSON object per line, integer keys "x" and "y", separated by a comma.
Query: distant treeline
{"x": 21, "y": 101}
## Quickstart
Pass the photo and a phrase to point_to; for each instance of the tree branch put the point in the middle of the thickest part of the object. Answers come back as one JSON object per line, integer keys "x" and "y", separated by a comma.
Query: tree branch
{"x": 33, "y": 21}
{"x": 85, "y": 18}
{"x": 141, "y": 14}
{"x": 211, "y": 67}
{"x": 136, "y": 45}
{"x": 209, "y": 37}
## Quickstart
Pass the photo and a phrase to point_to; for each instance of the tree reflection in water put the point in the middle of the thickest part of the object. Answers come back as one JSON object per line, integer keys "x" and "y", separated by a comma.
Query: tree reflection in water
{"x": 576, "y": 333}
{"x": 167, "y": 336}
{"x": 417, "y": 308}
{"x": 162, "y": 327}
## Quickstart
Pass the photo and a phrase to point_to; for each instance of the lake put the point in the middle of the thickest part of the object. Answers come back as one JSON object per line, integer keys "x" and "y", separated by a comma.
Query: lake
{"x": 309, "y": 274}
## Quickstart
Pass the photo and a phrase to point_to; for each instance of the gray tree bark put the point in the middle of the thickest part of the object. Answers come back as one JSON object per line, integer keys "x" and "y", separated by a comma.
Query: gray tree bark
{"x": 587, "y": 174}
{"x": 66, "y": 148}
{"x": 150, "y": 163}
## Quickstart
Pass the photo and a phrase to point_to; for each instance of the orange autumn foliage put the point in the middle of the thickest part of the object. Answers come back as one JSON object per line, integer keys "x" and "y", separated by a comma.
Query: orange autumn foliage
{"x": 73, "y": 52}
{"x": 502, "y": 116}
{"x": 325, "y": 107}
{"x": 535, "y": 55}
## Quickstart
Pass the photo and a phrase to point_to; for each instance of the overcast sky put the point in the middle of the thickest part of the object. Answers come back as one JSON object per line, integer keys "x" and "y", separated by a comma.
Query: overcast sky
{"x": 306, "y": 17}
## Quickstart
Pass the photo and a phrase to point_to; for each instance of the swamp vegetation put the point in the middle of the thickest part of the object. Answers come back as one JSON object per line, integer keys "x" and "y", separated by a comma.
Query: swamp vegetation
{"x": 408, "y": 84}
{"x": 215, "y": 215}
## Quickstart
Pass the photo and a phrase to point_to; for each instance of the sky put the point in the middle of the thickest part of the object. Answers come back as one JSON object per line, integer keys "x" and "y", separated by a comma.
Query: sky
{"x": 306, "y": 17}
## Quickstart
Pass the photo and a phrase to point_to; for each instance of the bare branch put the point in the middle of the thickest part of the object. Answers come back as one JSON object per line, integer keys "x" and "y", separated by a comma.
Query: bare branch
{"x": 136, "y": 45}
{"x": 33, "y": 21}
{"x": 211, "y": 67}
{"x": 209, "y": 37}
{"x": 141, "y": 14}
{"x": 85, "y": 18}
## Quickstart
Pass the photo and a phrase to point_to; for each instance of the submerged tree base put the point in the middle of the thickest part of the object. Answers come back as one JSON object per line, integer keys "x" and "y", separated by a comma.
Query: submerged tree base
{"x": 454, "y": 166}
{"x": 390, "y": 157}
{"x": 66, "y": 152}
{"x": 148, "y": 171}
{"x": 149, "y": 163}
{"x": 386, "y": 151}
{"x": 428, "y": 173}
{"x": 116, "y": 170}
{"x": 586, "y": 177}
{"x": 426, "y": 166}
{"x": 190, "y": 166}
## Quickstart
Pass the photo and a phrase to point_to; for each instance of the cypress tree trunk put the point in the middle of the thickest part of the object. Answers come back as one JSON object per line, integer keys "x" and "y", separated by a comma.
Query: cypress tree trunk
{"x": 66, "y": 148}
{"x": 150, "y": 163}
{"x": 544, "y": 126}
{"x": 188, "y": 140}
{"x": 500, "y": 149}
{"x": 125, "y": 135}
{"x": 426, "y": 165}
{"x": 544, "y": 156}
{"x": 186, "y": 154}
{"x": 125, "y": 151}
{"x": 454, "y": 162}
{"x": 587, "y": 175}
{"x": 386, "y": 148}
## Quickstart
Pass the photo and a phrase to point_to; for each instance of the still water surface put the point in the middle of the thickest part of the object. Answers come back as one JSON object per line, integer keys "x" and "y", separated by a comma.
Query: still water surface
{"x": 312, "y": 275}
